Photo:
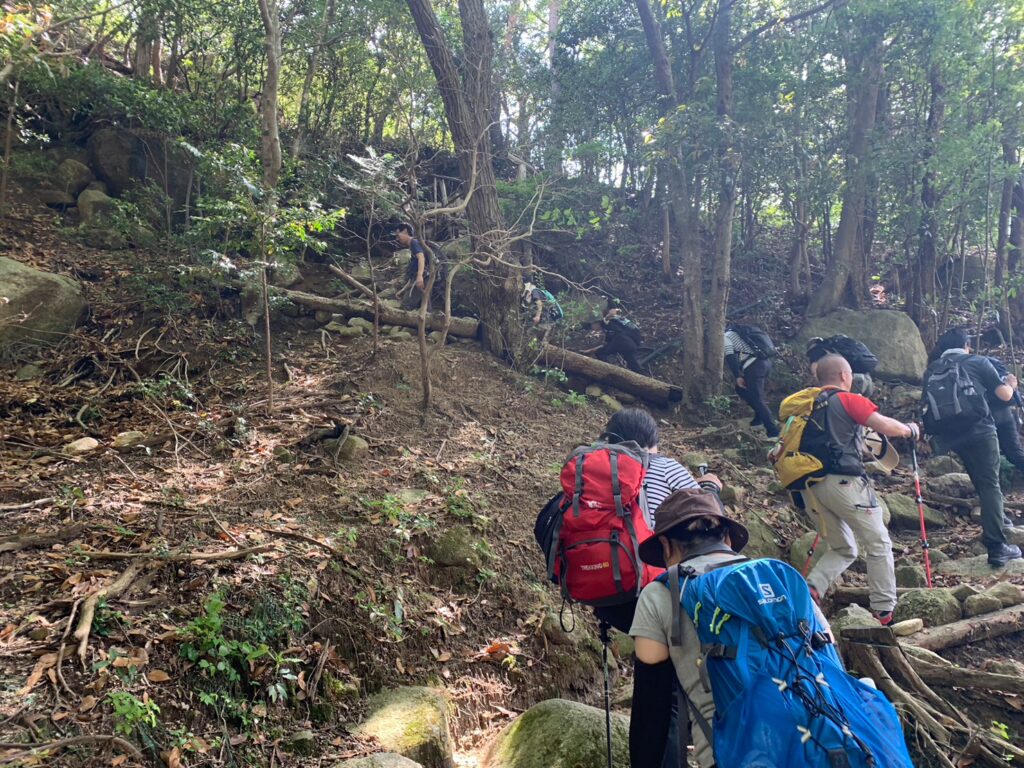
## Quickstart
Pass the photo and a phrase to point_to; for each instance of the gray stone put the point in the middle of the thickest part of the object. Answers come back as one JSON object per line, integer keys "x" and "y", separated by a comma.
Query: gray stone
{"x": 412, "y": 722}
{"x": 104, "y": 238}
{"x": 559, "y": 734}
{"x": 798, "y": 551}
{"x": 762, "y": 538}
{"x": 456, "y": 547}
{"x": 360, "y": 322}
{"x": 957, "y": 484}
{"x": 849, "y": 617}
{"x": 1007, "y": 593}
{"x": 943, "y": 465}
{"x": 435, "y": 337}
{"x": 934, "y": 606}
{"x": 962, "y": 591}
{"x": 285, "y": 274}
{"x": 402, "y": 336}
{"x": 98, "y": 186}
{"x": 911, "y": 576}
{"x": 81, "y": 446}
{"x": 380, "y": 760}
{"x": 1003, "y": 667}
{"x": 610, "y": 402}
{"x": 905, "y": 515}
{"x": 937, "y": 556}
{"x": 129, "y": 439}
{"x": 73, "y": 176}
{"x": 55, "y": 198}
{"x": 907, "y": 628}
{"x": 36, "y": 307}
{"x": 975, "y": 605}
{"x": 28, "y": 372}
{"x": 93, "y": 206}
{"x": 354, "y": 447}
{"x": 732, "y": 494}
{"x": 891, "y": 335}
{"x": 593, "y": 390}
{"x": 122, "y": 158}
{"x": 978, "y": 568}
{"x": 301, "y": 743}
{"x": 344, "y": 331}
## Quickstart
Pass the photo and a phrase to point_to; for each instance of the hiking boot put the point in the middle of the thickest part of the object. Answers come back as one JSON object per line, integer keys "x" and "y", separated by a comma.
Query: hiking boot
{"x": 1001, "y": 554}
{"x": 883, "y": 617}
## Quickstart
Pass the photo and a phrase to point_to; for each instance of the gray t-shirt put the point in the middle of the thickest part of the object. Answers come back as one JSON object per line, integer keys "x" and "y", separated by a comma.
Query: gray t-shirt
{"x": 653, "y": 620}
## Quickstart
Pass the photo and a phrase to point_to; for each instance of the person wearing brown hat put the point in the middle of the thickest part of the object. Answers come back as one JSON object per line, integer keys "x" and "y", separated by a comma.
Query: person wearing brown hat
{"x": 690, "y": 527}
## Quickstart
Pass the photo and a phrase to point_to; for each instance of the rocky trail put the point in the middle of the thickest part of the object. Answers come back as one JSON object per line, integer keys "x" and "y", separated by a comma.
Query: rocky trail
{"x": 189, "y": 579}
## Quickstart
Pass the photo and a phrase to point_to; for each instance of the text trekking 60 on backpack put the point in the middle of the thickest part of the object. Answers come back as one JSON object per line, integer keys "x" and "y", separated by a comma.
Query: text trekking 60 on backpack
{"x": 782, "y": 697}
{"x": 951, "y": 403}
{"x": 594, "y": 554}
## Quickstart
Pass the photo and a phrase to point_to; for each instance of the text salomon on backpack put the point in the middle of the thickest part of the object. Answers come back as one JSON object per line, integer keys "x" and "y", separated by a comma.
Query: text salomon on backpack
{"x": 860, "y": 358}
{"x": 951, "y": 403}
{"x": 757, "y": 339}
{"x": 782, "y": 697}
{"x": 802, "y": 449}
{"x": 596, "y": 557}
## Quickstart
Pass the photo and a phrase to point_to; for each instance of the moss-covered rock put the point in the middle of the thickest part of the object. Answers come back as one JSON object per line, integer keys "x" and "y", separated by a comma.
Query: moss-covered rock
{"x": 457, "y": 547}
{"x": 933, "y": 606}
{"x": 978, "y": 567}
{"x": 762, "y": 538}
{"x": 1007, "y": 593}
{"x": 911, "y": 576}
{"x": 380, "y": 760}
{"x": 559, "y": 734}
{"x": 943, "y": 465}
{"x": 798, "y": 551}
{"x": 957, "y": 484}
{"x": 412, "y": 722}
{"x": 975, "y": 605}
{"x": 849, "y": 617}
{"x": 905, "y": 514}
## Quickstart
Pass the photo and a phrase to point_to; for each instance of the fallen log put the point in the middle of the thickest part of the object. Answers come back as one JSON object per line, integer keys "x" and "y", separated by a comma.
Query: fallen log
{"x": 965, "y": 677}
{"x": 983, "y": 627}
{"x": 653, "y": 390}
{"x": 844, "y": 596}
{"x": 465, "y": 327}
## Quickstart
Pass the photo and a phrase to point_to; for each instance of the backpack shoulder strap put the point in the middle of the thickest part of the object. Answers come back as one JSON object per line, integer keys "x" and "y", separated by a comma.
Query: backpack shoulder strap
{"x": 676, "y": 589}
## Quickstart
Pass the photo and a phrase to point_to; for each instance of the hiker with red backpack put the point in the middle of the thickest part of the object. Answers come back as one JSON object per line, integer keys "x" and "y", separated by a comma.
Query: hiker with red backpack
{"x": 821, "y": 454}
{"x": 754, "y": 657}
{"x": 957, "y": 416}
{"x": 749, "y": 352}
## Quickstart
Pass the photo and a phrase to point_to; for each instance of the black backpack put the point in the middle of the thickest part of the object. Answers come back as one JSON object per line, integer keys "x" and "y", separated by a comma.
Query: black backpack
{"x": 860, "y": 358}
{"x": 626, "y": 326}
{"x": 757, "y": 339}
{"x": 951, "y": 402}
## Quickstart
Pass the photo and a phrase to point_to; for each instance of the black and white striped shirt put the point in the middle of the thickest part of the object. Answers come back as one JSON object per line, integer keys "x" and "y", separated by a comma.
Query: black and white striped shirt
{"x": 664, "y": 475}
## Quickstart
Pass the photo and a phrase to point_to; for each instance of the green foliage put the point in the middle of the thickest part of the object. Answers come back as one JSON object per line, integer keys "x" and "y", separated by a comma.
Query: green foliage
{"x": 719, "y": 404}
{"x": 556, "y": 375}
{"x": 132, "y": 714}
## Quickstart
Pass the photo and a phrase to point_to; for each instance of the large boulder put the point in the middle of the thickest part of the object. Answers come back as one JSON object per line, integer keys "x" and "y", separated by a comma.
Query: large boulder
{"x": 122, "y": 158}
{"x": 73, "y": 176}
{"x": 933, "y": 606}
{"x": 412, "y": 722}
{"x": 559, "y": 734}
{"x": 798, "y": 551}
{"x": 906, "y": 516}
{"x": 956, "y": 484}
{"x": 94, "y": 205}
{"x": 36, "y": 307}
{"x": 763, "y": 538}
{"x": 891, "y": 335}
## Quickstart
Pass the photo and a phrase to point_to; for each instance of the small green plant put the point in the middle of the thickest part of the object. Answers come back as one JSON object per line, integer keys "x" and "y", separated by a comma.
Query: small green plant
{"x": 576, "y": 399}
{"x": 719, "y": 404}
{"x": 1000, "y": 730}
{"x": 168, "y": 391}
{"x": 549, "y": 375}
{"x": 131, "y": 713}
{"x": 216, "y": 654}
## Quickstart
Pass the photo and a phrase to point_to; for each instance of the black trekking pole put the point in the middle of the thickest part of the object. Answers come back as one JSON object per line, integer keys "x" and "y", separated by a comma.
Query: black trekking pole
{"x": 603, "y": 627}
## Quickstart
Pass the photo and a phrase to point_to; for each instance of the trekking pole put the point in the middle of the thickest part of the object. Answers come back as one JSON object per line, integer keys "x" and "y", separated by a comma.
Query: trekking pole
{"x": 920, "y": 511}
{"x": 810, "y": 555}
{"x": 604, "y": 626}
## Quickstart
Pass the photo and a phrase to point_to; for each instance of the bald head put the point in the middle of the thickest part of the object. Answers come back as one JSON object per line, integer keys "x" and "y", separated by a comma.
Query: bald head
{"x": 833, "y": 370}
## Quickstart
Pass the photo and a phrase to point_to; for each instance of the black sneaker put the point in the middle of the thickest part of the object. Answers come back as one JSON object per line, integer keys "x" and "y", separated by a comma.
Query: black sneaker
{"x": 1001, "y": 554}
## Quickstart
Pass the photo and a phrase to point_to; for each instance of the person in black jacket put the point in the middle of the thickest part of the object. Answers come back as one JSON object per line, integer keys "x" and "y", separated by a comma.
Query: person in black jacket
{"x": 622, "y": 338}
{"x": 1004, "y": 414}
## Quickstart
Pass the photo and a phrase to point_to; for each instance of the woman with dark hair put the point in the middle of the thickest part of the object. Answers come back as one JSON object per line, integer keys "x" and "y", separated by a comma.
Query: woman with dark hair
{"x": 664, "y": 475}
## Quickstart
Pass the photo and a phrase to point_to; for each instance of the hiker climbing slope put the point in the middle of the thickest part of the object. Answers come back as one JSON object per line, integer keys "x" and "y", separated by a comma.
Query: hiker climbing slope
{"x": 1006, "y": 413}
{"x": 622, "y": 338}
{"x": 837, "y": 491}
{"x": 862, "y": 361}
{"x": 782, "y": 704}
{"x": 957, "y": 415}
{"x": 748, "y": 353}
{"x": 541, "y": 305}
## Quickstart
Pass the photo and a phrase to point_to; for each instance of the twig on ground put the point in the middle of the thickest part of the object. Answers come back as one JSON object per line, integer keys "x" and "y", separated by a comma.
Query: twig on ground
{"x": 26, "y": 505}
{"x": 115, "y": 588}
{"x": 18, "y": 543}
{"x": 27, "y": 750}
{"x": 176, "y": 557}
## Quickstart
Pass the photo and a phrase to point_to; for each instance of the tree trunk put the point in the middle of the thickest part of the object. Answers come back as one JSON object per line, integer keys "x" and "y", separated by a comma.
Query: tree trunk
{"x": 467, "y": 105}
{"x": 923, "y": 291}
{"x": 862, "y": 83}
{"x": 729, "y": 168}
{"x": 684, "y": 212}
{"x": 271, "y": 140}
{"x": 1016, "y": 246}
{"x": 556, "y": 131}
{"x": 302, "y": 123}
{"x": 1003, "y": 238}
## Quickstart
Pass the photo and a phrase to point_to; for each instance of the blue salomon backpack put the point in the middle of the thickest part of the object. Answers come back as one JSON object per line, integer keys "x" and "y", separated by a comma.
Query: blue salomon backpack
{"x": 782, "y": 697}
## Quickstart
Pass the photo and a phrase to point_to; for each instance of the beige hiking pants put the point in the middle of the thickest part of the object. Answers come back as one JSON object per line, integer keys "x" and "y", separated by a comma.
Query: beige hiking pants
{"x": 848, "y": 515}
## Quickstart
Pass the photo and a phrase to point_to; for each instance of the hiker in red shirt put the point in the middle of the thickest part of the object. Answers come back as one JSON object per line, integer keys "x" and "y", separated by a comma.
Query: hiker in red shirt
{"x": 841, "y": 497}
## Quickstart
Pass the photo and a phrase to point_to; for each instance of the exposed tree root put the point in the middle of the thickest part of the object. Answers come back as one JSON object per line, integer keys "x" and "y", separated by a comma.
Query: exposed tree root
{"x": 177, "y": 557}
{"x": 26, "y": 750}
{"x": 42, "y": 540}
{"x": 983, "y": 627}
{"x": 88, "y": 613}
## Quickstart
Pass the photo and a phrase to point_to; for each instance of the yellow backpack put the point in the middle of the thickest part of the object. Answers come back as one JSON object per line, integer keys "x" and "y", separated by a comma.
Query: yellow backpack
{"x": 791, "y": 464}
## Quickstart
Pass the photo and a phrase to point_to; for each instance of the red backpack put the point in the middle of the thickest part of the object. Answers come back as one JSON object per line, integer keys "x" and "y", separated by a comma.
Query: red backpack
{"x": 596, "y": 559}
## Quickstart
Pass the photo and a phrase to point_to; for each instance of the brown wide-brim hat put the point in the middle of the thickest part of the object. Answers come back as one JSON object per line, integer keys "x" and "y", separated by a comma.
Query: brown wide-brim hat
{"x": 678, "y": 509}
